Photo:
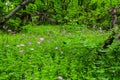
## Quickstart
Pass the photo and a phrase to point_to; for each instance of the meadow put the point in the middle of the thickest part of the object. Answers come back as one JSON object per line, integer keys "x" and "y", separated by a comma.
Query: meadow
{"x": 55, "y": 53}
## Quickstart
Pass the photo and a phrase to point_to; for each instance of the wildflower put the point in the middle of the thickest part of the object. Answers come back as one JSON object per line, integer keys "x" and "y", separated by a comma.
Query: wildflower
{"x": 9, "y": 30}
{"x": 21, "y": 51}
{"x": 56, "y": 47}
{"x": 22, "y": 45}
{"x": 60, "y": 78}
{"x": 7, "y": 45}
{"x": 4, "y": 27}
{"x": 29, "y": 43}
{"x": 32, "y": 49}
{"x": 61, "y": 52}
{"x": 101, "y": 30}
{"x": 17, "y": 45}
{"x": 41, "y": 39}
{"x": 38, "y": 42}
{"x": 23, "y": 34}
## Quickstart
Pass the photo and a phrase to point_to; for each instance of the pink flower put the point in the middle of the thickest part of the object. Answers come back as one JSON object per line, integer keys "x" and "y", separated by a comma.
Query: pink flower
{"x": 38, "y": 42}
{"x": 9, "y": 30}
{"x": 101, "y": 30}
{"x": 21, "y": 51}
{"x": 29, "y": 43}
{"x": 60, "y": 78}
{"x": 41, "y": 39}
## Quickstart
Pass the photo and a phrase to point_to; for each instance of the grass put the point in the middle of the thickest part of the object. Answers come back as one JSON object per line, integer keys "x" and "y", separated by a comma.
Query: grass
{"x": 64, "y": 53}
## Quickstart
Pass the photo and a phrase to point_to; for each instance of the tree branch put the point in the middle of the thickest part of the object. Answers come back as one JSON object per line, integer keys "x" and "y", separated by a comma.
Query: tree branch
{"x": 14, "y": 12}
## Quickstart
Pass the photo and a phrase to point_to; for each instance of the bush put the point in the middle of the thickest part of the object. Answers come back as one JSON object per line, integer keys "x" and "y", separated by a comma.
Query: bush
{"x": 14, "y": 24}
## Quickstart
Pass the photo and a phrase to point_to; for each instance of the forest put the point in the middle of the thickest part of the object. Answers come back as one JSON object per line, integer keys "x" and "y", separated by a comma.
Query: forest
{"x": 59, "y": 39}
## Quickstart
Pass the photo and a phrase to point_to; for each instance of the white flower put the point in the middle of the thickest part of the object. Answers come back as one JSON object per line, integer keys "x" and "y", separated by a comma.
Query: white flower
{"x": 21, "y": 51}
{"x": 22, "y": 45}
{"x": 61, "y": 52}
{"x": 60, "y": 78}
{"x": 32, "y": 49}
{"x": 9, "y": 30}
{"x": 56, "y": 47}
{"x": 23, "y": 34}
{"x": 7, "y": 45}
{"x": 17, "y": 45}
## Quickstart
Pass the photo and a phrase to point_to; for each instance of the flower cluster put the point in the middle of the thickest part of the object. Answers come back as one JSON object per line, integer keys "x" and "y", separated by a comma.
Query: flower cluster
{"x": 20, "y": 45}
{"x": 29, "y": 43}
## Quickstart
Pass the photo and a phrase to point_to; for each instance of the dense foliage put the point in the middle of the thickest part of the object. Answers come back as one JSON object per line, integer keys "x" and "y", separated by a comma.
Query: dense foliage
{"x": 70, "y": 49}
{"x": 93, "y": 13}
{"x": 47, "y": 52}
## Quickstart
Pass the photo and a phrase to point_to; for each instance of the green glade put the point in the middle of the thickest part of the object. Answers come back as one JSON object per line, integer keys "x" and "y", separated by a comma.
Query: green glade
{"x": 60, "y": 55}
{"x": 59, "y": 40}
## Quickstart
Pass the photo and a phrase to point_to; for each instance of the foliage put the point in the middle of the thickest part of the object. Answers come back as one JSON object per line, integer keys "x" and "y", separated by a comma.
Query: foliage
{"x": 92, "y": 13}
{"x": 51, "y": 52}
{"x": 14, "y": 24}
{"x": 67, "y": 52}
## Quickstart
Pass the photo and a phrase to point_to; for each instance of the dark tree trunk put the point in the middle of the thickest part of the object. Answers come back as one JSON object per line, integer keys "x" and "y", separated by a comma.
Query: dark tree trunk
{"x": 25, "y": 17}
{"x": 113, "y": 11}
{"x": 21, "y": 5}
{"x": 111, "y": 38}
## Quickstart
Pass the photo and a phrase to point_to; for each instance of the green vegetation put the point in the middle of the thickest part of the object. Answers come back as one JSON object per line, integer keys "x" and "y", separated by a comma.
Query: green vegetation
{"x": 60, "y": 40}
{"x": 92, "y": 13}
{"x": 70, "y": 54}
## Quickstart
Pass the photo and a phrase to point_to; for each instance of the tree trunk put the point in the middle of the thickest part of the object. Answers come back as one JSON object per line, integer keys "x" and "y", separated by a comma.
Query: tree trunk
{"x": 114, "y": 33}
{"x": 14, "y": 12}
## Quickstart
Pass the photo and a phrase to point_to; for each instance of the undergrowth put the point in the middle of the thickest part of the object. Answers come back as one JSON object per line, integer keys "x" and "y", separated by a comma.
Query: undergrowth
{"x": 56, "y": 53}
